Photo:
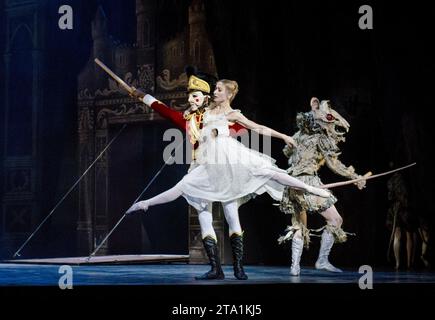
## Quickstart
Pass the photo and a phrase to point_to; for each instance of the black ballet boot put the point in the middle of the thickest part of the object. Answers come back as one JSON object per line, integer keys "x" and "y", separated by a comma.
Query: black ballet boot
{"x": 237, "y": 246}
{"x": 215, "y": 272}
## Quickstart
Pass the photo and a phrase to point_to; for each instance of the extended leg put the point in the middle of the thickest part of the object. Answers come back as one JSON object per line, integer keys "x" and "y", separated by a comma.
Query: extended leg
{"x": 164, "y": 197}
{"x": 292, "y": 182}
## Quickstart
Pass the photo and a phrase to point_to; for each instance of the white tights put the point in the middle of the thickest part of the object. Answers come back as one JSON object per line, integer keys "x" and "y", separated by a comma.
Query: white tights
{"x": 164, "y": 197}
{"x": 231, "y": 213}
{"x": 230, "y": 208}
{"x": 205, "y": 217}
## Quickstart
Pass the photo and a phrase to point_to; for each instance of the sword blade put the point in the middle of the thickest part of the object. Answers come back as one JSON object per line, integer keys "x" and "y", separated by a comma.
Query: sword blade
{"x": 344, "y": 183}
{"x": 114, "y": 76}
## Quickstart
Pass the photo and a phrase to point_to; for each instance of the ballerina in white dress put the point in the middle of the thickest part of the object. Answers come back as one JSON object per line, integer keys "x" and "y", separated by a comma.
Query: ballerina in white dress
{"x": 226, "y": 170}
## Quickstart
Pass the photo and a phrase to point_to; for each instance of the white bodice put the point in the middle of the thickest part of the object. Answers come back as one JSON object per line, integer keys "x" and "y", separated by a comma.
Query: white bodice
{"x": 215, "y": 121}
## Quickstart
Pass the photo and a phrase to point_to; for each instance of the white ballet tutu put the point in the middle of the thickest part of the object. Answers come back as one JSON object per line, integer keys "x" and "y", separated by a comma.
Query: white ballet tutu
{"x": 226, "y": 170}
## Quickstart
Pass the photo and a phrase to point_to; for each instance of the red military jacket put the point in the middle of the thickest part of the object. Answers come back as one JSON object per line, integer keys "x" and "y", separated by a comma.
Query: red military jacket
{"x": 177, "y": 117}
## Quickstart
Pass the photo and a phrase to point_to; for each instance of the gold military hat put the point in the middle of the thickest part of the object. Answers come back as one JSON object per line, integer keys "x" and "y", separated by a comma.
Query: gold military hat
{"x": 196, "y": 83}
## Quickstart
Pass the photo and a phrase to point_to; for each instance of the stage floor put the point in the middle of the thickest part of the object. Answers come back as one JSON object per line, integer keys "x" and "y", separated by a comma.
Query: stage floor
{"x": 183, "y": 274}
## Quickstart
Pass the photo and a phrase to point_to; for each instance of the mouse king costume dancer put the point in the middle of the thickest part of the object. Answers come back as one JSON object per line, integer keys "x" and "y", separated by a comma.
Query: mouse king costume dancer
{"x": 317, "y": 141}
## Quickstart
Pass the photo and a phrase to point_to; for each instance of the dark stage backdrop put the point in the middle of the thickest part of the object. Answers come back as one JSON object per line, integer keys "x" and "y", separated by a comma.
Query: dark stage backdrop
{"x": 135, "y": 158}
{"x": 282, "y": 54}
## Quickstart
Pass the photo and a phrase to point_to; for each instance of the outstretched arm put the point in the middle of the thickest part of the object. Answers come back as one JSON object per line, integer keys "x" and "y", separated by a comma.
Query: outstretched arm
{"x": 174, "y": 116}
{"x": 336, "y": 166}
{"x": 288, "y": 151}
{"x": 249, "y": 124}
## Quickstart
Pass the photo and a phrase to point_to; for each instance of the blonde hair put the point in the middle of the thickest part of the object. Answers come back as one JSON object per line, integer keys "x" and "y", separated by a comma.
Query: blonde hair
{"x": 231, "y": 86}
